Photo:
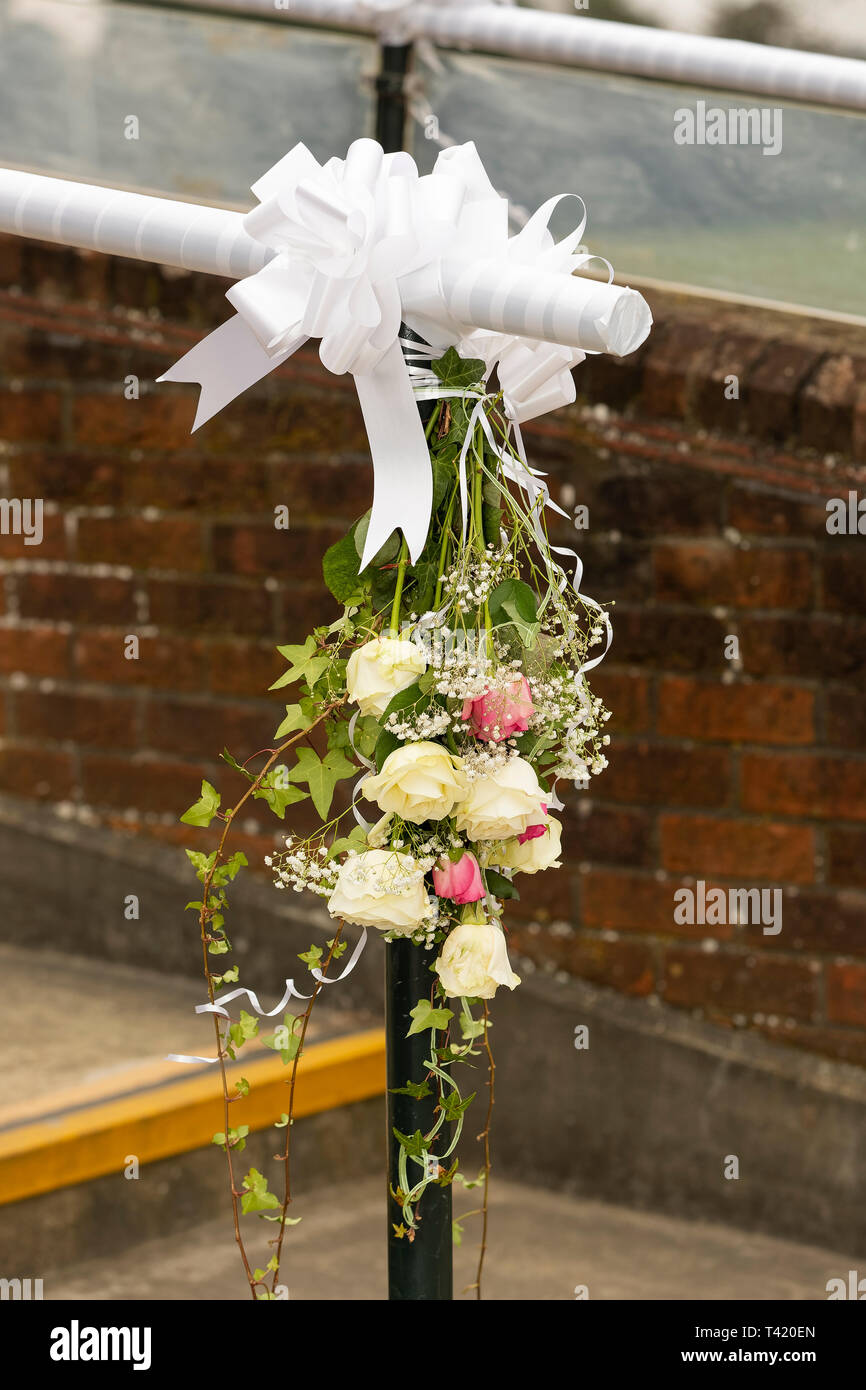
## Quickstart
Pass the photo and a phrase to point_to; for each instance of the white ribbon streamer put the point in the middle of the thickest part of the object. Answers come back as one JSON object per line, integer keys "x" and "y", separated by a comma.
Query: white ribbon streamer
{"x": 217, "y": 1007}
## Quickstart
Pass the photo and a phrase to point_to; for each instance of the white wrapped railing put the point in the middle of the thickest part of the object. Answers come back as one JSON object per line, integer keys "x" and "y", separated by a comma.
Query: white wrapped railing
{"x": 582, "y": 42}
{"x": 506, "y": 298}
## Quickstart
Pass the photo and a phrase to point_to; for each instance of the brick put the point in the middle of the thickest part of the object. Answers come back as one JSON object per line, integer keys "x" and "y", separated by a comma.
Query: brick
{"x": 67, "y": 477}
{"x": 547, "y": 897}
{"x": 612, "y": 569}
{"x": 819, "y": 923}
{"x": 243, "y": 668}
{"x": 154, "y": 421}
{"x": 805, "y": 646}
{"x": 608, "y": 834}
{"x": 740, "y": 713}
{"x": 627, "y": 696}
{"x": 846, "y": 717}
{"x": 37, "y": 651}
{"x": 253, "y": 550}
{"x": 827, "y": 404}
{"x": 769, "y": 395}
{"x": 635, "y": 903}
{"x": 327, "y": 490}
{"x": 152, "y": 785}
{"x": 163, "y": 663}
{"x": 756, "y": 510}
{"x": 209, "y": 486}
{"x": 10, "y": 260}
{"x": 65, "y": 715}
{"x": 623, "y": 965}
{"x": 36, "y": 773}
{"x": 30, "y": 415}
{"x": 846, "y": 994}
{"x": 667, "y": 384}
{"x": 207, "y": 606}
{"x": 734, "y": 983}
{"x": 645, "y": 773}
{"x": 655, "y": 502}
{"x": 52, "y": 546}
{"x": 668, "y": 640}
{"x": 166, "y": 544}
{"x": 76, "y": 598}
{"x": 709, "y": 846}
{"x": 191, "y": 728}
{"x": 846, "y": 853}
{"x": 842, "y": 577}
{"x": 818, "y": 786}
{"x": 724, "y": 355}
{"x": 710, "y": 573}
{"x": 614, "y": 380}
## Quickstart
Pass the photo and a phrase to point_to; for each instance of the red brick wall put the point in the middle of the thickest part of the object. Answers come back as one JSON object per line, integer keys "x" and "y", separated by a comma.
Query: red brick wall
{"x": 706, "y": 519}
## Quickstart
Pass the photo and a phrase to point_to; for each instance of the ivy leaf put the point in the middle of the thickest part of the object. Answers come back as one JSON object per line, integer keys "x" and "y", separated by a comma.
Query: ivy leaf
{"x": 285, "y": 1040}
{"x": 414, "y": 1144}
{"x": 416, "y": 1089}
{"x": 256, "y": 1195}
{"x": 321, "y": 775}
{"x": 424, "y": 1016}
{"x": 356, "y": 839}
{"x": 246, "y": 1028}
{"x": 242, "y": 1087}
{"x": 204, "y": 810}
{"x": 227, "y": 757}
{"x": 456, "y": 371}
{"x": 295, "y": 720}
{"x": 340, "y": 567}
{"x": 453, "y": 1107}
{"x": 278, "y": 792}
{"x": 500, "y": 886}
{"x": 304, "y": 664}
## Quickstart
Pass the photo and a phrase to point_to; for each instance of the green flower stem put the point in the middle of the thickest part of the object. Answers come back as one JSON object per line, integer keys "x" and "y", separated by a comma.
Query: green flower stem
{"x": 446, "y": 536}
{"x": 398, "y": 592}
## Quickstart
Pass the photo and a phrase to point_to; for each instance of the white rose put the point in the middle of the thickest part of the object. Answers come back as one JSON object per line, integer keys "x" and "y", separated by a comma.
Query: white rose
{"x": 501, "y": 804}
{"x": 381, "y": 888}
{"x": 419, "y": 781}
{"x": 533, "y": 855}
{"x": 474, "y": 961}
{"x": 379, "y": 670}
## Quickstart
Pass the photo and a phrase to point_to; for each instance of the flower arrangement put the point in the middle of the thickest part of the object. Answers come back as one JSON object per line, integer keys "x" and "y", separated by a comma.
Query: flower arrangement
{"x": 456, "y": 687}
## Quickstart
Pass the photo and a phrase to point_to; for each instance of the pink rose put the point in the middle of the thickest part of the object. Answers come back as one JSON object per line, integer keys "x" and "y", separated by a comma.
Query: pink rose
{"x": 532, "y": 832}
{"x": 497, "y": 714}
{"x": 461, "y": 882}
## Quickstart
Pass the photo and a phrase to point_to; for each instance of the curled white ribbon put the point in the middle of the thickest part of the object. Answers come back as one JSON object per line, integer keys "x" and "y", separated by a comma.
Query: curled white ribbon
{"x": 358, "y": 244}
{"x": 218, "y": 1006}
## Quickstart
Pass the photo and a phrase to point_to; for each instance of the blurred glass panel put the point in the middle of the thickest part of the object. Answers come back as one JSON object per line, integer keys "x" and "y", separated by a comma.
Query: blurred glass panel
{"x": 789, "y": 227}
{"x": 217, "y": 99}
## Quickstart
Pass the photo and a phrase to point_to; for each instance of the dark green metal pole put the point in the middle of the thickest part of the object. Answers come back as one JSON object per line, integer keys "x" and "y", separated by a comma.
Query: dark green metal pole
{"x": 420, "y": 1269}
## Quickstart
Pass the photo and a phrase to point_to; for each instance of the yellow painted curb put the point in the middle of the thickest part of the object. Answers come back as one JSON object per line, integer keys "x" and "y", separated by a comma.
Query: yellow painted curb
{"x": 98, "y": 1137}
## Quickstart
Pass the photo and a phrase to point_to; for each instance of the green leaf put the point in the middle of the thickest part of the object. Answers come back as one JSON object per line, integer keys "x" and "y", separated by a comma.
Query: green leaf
{"x": 425, "y": 1015}
{"x": 285, "y": 1040}
{"x": 514, "y": 602}
{"x": 311, "y": 957}
{"x": 414, "y": 1144}
{"x": 282, "y": 1121}
{"x": 204, "y": 810}
{"x": 304, "y": 664}
{"x": 453, "y": 1107}
{"x": 246, "y": 1028}
{"x": 458, "y": 372}
{"x": 356, "y": 839}
{"x": 227, "y": 757}
{"x": 321, "y": 775}
{"x": 500, "y": 886}
{"x": 278, "y": 792}
{"x": 341, "y": 566}
{"x": 256, "y": 1196}
{"x": 242, "y": 1087}
{"x": 416, "y": 1089}
{"x": 294, "y": 721}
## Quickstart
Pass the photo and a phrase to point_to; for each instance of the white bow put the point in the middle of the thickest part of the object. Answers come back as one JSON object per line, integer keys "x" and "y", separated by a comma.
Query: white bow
{"x": 361, "y": 243}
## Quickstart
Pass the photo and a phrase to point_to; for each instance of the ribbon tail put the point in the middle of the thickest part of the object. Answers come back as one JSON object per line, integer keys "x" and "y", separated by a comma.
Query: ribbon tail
{"x": 402, "y": 474}
{"x": 225, "y": 364}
